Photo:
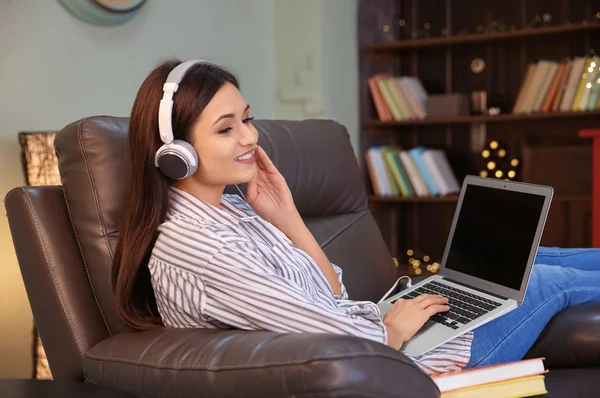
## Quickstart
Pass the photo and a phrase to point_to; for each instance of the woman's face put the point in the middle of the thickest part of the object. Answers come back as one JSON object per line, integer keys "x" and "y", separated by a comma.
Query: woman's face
{"x": 225, "y": 140}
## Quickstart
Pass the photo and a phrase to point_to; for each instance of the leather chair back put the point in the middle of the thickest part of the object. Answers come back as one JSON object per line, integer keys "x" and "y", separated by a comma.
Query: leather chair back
{"x": 65, "y": 236}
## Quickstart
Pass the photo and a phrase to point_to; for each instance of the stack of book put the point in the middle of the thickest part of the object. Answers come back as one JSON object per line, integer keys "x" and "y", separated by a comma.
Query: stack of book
{"x": 398, "y": 97}
{"x": 571, "y": 85}
{"x": 512, "y": 379}
{"x": 418, "y": 172}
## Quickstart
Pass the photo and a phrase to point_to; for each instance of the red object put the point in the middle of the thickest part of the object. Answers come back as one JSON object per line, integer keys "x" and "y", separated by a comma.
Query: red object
{"x": 595, "y": 135}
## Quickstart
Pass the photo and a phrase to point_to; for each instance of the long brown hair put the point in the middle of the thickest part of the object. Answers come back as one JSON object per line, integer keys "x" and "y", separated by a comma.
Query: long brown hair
{"x": 148, "y": 200}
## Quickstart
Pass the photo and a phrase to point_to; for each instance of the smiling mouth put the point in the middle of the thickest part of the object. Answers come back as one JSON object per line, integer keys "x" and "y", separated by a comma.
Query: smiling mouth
{"x": 248, "y": 155}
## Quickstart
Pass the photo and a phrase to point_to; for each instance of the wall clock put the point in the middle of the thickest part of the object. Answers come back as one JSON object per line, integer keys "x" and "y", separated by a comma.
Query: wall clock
{"x": 103, "y": 12}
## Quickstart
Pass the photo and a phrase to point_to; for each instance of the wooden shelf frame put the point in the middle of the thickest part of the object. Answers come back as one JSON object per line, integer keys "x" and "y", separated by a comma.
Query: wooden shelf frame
{"x": 509, "y": 117}
{"x": 454, "y": 199}
{"x": 410, "y": 44}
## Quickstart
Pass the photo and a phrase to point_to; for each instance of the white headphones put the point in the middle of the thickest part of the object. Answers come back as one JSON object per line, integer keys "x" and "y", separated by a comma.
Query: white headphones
{"x": 177, "y": 159}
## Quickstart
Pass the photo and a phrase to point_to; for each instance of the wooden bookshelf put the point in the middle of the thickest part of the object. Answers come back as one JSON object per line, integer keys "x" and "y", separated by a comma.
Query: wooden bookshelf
{"x": 409, "y": 44}
{"x": 444, "y": 66}
{"x": 480, "y": 119}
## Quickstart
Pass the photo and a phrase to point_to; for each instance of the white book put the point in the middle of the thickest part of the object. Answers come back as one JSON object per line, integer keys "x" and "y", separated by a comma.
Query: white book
{"x": 381, "y": 173}
{"x": 435, "y": 170}
{"x": 448, "y": 176}
{"x": 489, "y": 374}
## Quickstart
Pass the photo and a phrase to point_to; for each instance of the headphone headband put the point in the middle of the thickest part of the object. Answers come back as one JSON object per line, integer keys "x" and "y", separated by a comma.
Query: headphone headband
{"x": 165, "y": 110}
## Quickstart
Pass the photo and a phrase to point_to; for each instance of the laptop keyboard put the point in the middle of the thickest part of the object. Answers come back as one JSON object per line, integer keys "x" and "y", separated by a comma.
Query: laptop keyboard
{"x": 464, "y": 306}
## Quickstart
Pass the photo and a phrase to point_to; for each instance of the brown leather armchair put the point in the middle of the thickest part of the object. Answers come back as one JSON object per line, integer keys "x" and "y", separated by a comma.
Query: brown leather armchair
{"x": 65, "y": 236}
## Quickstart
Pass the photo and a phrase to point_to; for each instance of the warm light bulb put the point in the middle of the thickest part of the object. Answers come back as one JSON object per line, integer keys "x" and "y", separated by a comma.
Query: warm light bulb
{"x": 588, "y": 86}
{"x": 511, "y": 174}
{"x": 485, "y": 153}
{"x": 491, "y": 165}
{"x": 514, "y": 162}
{"x": 418, "y": 271}
{"x": 494, "y": 144}
{"x": 502, "y": 153}
{"x": 425, "y": 258}
{"x": 409, "y": 252}
{"x": 483, "y": 173}
{"x": 499, "y": 173}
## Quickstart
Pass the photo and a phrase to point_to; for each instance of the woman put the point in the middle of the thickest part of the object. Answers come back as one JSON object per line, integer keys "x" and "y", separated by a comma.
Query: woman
{"x": 190, "y": 256}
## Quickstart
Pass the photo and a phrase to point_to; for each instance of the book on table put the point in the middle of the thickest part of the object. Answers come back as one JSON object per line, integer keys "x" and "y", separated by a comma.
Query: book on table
{"x": 523, "y": 387}
{"x": 486, "y": 376}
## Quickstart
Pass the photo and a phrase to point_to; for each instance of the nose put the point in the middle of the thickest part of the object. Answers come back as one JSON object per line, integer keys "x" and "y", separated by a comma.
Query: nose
{"x": 249, "y": 135}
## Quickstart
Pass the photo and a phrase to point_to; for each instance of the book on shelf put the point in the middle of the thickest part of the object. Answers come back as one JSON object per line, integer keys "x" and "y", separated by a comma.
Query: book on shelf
{"x": 569, "y": 85}
{"x": 398, "y": 98}
{"x": 510, "y": 379}
{"x": 416, "y": 172}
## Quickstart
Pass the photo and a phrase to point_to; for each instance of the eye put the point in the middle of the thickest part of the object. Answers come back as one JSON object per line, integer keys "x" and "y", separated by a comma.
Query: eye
{"x": 248, "y": 120}
{"x": 226, "y": 130}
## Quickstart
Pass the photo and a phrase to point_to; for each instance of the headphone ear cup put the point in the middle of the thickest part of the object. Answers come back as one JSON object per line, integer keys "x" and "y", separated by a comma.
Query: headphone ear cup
{"x": 177, "y": 160}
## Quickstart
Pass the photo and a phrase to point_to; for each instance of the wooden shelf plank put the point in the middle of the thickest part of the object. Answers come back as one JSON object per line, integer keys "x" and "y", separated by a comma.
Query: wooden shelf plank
{"x": 509, "y": 117}
{"x": 454, "y": 199}
{"x": 427, "y": 199}
{"x": 478, "y": 37}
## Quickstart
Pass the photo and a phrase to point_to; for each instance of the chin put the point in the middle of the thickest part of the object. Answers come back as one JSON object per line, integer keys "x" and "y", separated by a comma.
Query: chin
{"x": 243, "y": 178}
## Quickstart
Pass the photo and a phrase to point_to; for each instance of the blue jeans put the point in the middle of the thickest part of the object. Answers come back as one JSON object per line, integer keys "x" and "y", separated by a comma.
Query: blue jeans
{"x": 560, "y": 278}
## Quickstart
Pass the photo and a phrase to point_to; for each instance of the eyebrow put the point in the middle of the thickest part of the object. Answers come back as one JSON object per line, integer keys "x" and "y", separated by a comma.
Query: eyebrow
{"x": 229, "y": 115}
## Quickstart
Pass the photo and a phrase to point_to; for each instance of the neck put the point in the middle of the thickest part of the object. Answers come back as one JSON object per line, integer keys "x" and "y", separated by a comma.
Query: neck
{"x": 209, "y": 194}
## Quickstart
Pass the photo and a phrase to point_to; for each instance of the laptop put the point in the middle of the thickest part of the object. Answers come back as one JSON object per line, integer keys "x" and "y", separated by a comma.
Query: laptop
{"x": 487, "y": 261}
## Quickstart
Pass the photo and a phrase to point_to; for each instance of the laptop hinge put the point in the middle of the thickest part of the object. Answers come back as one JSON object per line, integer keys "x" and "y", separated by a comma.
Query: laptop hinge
{"x": 475, "y": 288}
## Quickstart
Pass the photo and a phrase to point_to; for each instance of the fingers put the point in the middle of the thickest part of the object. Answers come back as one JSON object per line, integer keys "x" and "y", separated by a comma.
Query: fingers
{"x": 434, "y": 309}
{"x": 264, "y": 161}
{"x": 429, "y": 299}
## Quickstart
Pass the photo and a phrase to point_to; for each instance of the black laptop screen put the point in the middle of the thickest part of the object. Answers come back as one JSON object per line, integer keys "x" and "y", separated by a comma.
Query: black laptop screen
{"x": 494, "y": 234}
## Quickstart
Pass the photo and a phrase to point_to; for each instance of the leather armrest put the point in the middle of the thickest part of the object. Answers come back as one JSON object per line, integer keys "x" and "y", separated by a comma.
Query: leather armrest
{"x": 233, "y": 363}
{"x": 571, "y": 339}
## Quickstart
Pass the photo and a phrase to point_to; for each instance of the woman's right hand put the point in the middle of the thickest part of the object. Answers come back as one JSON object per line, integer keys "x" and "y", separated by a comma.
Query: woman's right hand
{"x": 406, "y": 317}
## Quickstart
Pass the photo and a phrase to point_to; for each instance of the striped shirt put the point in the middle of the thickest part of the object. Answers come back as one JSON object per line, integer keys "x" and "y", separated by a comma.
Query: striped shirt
{"x": 226, "y": 267}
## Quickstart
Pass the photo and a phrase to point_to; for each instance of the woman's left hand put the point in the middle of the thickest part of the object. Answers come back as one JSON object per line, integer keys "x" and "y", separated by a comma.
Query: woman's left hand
{"x": 269, "y": 194}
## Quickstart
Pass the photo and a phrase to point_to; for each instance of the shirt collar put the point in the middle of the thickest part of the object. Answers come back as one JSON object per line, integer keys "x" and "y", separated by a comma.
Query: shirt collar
{"x": 233, "y": 208}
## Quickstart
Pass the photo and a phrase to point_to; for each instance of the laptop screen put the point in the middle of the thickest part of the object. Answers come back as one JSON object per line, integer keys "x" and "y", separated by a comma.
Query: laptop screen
{"x": 494, "y": 234}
